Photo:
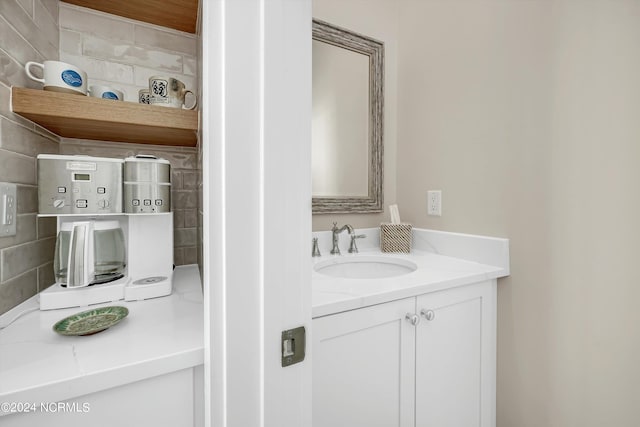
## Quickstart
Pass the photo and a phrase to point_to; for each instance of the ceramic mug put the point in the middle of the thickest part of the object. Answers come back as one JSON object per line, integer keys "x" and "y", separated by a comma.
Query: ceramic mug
{"x": 169, "y": 92}
{"x": 59, "y": 77}
{"x": 144, "y": 96}
{"x": 106, "y": 92}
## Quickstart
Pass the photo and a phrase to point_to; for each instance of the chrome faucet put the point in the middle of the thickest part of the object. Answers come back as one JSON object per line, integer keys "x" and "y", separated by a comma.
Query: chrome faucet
{"x": 336, "y": 231}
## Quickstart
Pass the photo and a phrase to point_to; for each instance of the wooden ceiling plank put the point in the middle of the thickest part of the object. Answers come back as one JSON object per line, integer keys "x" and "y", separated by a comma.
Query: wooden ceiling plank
{"x": 180, "y": 15}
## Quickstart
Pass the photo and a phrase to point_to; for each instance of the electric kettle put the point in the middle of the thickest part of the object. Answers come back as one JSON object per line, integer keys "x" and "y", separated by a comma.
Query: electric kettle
{"x": 89, "y": 253}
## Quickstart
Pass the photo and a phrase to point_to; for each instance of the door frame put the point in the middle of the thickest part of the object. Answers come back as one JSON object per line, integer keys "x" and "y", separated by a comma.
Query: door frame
{"x": 256, "y": 151}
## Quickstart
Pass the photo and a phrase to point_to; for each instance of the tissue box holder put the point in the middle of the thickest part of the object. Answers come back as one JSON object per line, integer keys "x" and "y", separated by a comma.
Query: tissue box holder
{"x": 395, "y": 237}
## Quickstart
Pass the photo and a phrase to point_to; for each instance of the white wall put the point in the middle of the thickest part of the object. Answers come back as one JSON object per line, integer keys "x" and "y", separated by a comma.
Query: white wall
{"x": 525, "y": 114}
{"x": 376, "y": 19}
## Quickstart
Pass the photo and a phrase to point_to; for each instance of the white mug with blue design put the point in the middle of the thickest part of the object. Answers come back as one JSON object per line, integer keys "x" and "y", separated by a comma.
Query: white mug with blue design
{"x": 59, "y": 77}
{"x": 105, "y": 92}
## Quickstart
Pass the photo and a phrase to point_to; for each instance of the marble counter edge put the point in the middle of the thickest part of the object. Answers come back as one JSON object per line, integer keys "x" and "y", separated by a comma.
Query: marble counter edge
{"x": 356, "y": 302}
{"x": 98, "y": 381}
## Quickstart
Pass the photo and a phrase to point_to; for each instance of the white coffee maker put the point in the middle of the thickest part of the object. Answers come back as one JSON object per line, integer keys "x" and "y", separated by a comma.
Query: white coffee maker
{"x": 105, "y": 253}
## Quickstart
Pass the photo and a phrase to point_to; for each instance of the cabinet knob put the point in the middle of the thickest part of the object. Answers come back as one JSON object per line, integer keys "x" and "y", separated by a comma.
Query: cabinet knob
{"x": 428, "y": 314}
{"x": 414, "y": 319}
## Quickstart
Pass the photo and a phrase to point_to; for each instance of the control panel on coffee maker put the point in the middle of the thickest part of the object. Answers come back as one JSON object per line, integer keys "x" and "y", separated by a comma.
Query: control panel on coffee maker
{"x": 102, "y": 246}
{"x": 79, "y": 185}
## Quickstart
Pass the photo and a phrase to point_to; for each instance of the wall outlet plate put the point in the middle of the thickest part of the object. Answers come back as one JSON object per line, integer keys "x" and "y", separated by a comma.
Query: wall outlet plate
{"x": 434, "y": 202}
{"x": 8, "y": 202}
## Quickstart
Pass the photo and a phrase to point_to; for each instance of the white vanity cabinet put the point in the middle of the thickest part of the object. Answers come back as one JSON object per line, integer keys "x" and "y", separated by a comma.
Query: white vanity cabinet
{"x": 363, "y": 367}
{"x": 456, "y": 357}
{"x": 374, "y": 367}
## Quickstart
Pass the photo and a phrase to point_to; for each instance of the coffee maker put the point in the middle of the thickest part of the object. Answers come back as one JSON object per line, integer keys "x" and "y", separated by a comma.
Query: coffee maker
{"x": 107, "y": 248}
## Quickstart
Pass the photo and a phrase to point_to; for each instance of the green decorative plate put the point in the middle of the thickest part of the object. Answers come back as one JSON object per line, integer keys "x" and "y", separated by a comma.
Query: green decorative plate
{"x": 91, "y": 321}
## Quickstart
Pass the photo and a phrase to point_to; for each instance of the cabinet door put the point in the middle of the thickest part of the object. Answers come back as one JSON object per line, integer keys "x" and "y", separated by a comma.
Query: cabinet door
{"x": 169, "y": 400}
{"x": 363, "y": 367}
{"x": 455, "y": 358}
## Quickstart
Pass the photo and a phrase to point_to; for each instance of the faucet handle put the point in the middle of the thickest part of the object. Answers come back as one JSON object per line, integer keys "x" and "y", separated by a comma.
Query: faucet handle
{"x": 353, "y": 248}
{"x": 315, "y": 251}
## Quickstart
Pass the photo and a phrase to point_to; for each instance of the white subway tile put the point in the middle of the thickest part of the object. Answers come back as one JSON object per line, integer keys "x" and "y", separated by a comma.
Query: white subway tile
{"x": 46, "y": 23}
{"x": 25, "y": 231}
{"x": 87, "y": 22}
{"x": 71, "y": 42}
{"x": 5, "y": 108}
{"x": 178, "y": 159}
{"x": 15, "y": 45}
{"x": 27, "y": 5}
{"x": 19, "y": 139}
{"x": 190, "y": 254}
{"x": 25, "y": 26}
{"x": 18, "y": 289}
{"x": 46, "y": 227}
{"x": 99, "y": 69}
{"x": 27, "y": 196}
{"x": 96, "y": 148}
{"x": 52, "y": 7}
{"x": 17, "y": 168}
{"x": 189, "y": 65}
{"x": 12, "y": 73}
{"x": 46, "y": 277}
{"x": 130, "y": 54}
{"x": 177, "y": 42}
{"x": 184, "y": 236}
{"x": 46, "y": 133}
{"x": 22, "y": 258}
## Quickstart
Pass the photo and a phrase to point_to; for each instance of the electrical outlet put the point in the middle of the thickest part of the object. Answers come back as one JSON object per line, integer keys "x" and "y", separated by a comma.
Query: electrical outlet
{"x": 7, "y": 209}
{"x": 434, "y": 203}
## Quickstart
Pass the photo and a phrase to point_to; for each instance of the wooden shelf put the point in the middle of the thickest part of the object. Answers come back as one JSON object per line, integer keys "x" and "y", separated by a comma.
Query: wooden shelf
{"x": 177, "y": 14}
{"x": 77, "y": 116}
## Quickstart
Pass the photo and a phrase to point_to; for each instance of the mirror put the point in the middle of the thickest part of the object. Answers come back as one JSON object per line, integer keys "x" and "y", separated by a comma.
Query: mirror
{"x": 347, "y": 137}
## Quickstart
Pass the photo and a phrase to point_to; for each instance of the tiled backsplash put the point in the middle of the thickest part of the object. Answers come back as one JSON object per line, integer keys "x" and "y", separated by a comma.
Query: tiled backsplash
{"x": 113, "y": 51}
{"x": 28, "y": 32}
{"x": 125, "y": 53}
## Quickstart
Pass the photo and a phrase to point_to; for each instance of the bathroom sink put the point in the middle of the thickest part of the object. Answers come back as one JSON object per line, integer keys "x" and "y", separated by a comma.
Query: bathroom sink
{"x": 365, "y": 267}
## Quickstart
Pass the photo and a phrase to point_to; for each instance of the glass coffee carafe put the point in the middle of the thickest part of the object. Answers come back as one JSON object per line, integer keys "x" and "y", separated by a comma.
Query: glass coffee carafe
{"x": 89, "y": 253}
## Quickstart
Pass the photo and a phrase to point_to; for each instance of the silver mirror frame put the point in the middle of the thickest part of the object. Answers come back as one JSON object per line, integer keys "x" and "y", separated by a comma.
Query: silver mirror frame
{"x": 346, "y": 39}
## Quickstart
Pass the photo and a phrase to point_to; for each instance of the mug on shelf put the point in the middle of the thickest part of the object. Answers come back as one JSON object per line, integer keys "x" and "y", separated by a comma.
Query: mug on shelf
{"x": 144, "y": 96}
{"x": 59, "y": 77}
{"x": 169, "y": 92}
{"x": 106, "y": 92}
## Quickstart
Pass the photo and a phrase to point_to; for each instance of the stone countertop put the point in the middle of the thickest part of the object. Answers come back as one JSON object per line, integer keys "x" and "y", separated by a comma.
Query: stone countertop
{"x": 443, "y": 260}
{"x": 159, "y": 336}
